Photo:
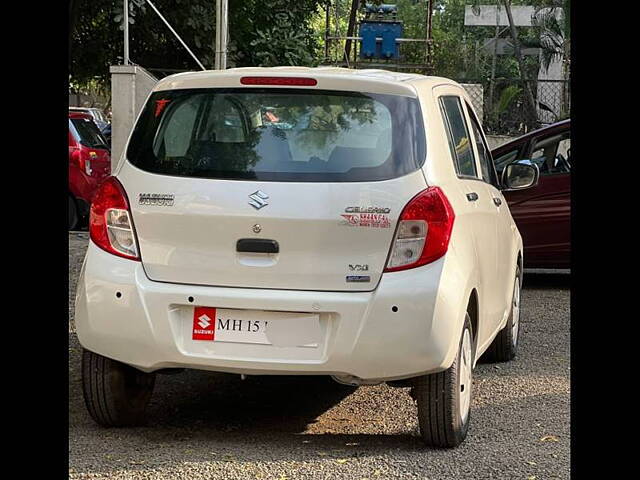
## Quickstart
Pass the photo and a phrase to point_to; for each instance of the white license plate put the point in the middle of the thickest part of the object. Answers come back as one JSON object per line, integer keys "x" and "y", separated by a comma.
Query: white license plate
{"x": 283, "y": 329}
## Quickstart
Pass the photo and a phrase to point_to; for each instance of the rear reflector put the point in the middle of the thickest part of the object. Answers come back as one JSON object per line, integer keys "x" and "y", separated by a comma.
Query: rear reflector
{"x": 296, "y": 81}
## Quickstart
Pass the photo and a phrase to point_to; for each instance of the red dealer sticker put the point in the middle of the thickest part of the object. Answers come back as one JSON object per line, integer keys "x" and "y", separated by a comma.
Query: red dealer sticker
{"x": 373, "y": 220}
{"x": 204, "y": 323}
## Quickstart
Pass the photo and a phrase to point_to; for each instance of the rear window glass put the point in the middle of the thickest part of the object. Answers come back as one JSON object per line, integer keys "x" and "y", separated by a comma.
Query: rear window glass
{"x": 279, "y": 135}
{"x": 88, "y": 133}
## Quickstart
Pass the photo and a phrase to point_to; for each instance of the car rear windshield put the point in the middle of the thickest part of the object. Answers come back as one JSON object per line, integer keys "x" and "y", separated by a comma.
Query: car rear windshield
{"x": 88, "y": 133}
{"x": 279, "y": 135}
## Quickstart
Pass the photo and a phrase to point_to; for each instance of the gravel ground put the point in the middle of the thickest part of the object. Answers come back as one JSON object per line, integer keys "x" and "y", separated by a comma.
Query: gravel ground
{"x": 204, "y": 425}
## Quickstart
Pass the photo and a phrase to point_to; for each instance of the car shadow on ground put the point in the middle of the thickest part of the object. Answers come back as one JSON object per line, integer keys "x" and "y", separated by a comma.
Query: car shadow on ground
{"x": 213, "y": 401}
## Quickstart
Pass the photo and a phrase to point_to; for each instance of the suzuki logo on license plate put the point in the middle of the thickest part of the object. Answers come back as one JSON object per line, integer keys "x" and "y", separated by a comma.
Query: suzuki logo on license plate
{"x": 204, "y": 321}
{"x": 258, "y": 199}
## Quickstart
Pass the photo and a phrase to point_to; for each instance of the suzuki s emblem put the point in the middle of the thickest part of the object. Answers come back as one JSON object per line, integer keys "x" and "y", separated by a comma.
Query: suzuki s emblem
{"x": 258, "y": 199}
{"x": 204, "y": 321}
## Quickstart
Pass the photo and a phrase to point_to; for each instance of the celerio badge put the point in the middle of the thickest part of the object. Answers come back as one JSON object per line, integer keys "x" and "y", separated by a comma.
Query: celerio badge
{"x": 157, "y": 199}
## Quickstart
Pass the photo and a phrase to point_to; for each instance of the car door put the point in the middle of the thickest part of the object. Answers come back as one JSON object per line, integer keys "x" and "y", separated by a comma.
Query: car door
{"x": 503, "y": 222}
{"x": 543, "y": 212}
{"x": 482, "y": 215}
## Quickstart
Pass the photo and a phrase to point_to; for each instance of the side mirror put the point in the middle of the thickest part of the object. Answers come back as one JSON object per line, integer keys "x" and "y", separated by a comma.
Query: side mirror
{"x": 520, "y": 175}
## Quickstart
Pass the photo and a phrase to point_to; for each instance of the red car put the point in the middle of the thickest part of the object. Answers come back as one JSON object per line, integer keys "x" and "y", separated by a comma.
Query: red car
{"x": 89, "y": 164}
{"x": 543, "y": 212}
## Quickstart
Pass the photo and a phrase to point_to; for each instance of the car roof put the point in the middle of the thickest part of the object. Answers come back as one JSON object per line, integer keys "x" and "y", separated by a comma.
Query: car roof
{"x": 80, "y": 115}
{"x": 329, "y": 78}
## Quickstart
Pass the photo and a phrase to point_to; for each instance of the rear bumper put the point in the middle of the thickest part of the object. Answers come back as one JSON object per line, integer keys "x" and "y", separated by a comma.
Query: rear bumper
{"x": 148, "y": 325}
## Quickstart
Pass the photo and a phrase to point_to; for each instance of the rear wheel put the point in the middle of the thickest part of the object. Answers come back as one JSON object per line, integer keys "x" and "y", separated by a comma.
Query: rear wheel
{"x": 116, "y": 394}
{"x": 505, "y": 345}
{"x": 444, "y": 398}
{"x": 73, "y": 213}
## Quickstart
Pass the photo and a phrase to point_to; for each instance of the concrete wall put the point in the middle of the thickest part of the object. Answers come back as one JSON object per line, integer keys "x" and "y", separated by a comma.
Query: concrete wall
{"x": 130, "y": 86}
{"x": 488, "y": 14}
{"x": 82, "y": 100}
{"x": 495, "y": 141}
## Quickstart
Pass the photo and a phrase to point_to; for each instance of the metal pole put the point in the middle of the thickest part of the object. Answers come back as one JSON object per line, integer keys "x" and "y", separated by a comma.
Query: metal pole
{"x": 326, "y": 31}
{"x": 429, "y": 46}
{"x": 221, "y": 34}
{"x": 175, "y": 33}
{"x": 126, "y": 32}
{"x": 493, "y": 60}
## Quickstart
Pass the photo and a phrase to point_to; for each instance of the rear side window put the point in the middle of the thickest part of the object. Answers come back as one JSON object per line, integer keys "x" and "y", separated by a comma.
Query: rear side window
{"x": 458, "y": 135}
{"x": 87, "y": 133}
{"x": 279, "y": 135}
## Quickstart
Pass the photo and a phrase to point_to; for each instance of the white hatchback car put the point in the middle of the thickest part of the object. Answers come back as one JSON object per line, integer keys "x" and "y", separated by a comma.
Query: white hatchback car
{"x": 302, "y": 221}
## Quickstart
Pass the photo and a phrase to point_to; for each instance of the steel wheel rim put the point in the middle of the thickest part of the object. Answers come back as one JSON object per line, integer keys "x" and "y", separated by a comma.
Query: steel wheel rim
{"x": 464, "y": 386}
{"x": 515, "y": 313}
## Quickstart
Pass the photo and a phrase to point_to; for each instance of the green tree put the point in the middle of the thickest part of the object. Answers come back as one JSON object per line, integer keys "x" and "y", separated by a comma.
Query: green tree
{"x": 266, "y": 32}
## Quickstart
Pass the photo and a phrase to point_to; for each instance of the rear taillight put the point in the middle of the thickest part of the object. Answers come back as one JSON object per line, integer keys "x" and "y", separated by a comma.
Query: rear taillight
{"x": 76, "y": 158}
{"x": 80, "y": 160}
{"x": 110, "y": 224}
{"x": 423, "y": 231}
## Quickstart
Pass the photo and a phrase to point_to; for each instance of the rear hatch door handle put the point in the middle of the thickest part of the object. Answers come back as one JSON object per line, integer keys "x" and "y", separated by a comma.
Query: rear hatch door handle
{"x": 257, "y": 245}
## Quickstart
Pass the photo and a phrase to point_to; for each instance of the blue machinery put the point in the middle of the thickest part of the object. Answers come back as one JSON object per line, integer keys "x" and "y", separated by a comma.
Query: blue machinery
{"x": 379, "y": 37}
{"x": 380, "y": 22}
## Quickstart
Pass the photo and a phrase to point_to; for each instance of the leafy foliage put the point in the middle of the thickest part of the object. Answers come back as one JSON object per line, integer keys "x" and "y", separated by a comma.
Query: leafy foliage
{"x": 285, "y": 38}
{"x": 553, "y": 32}
{"x": 508, "y": 95}
{"x": 267, "y": 32}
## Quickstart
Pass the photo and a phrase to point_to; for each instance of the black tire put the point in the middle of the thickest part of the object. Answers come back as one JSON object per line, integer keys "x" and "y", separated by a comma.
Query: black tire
{"x": 439, "y": 401}
{"x": 73, "y": 213}
{"x": 116, "y": 394}
{"x": 505, "y": 346}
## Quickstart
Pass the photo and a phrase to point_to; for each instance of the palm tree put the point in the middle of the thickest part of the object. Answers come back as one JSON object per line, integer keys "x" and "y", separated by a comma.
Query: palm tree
{"x": 555, "y": 40}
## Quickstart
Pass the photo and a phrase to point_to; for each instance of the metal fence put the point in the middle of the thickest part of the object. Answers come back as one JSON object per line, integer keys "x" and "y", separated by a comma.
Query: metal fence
{"x": 513, "y": 107}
